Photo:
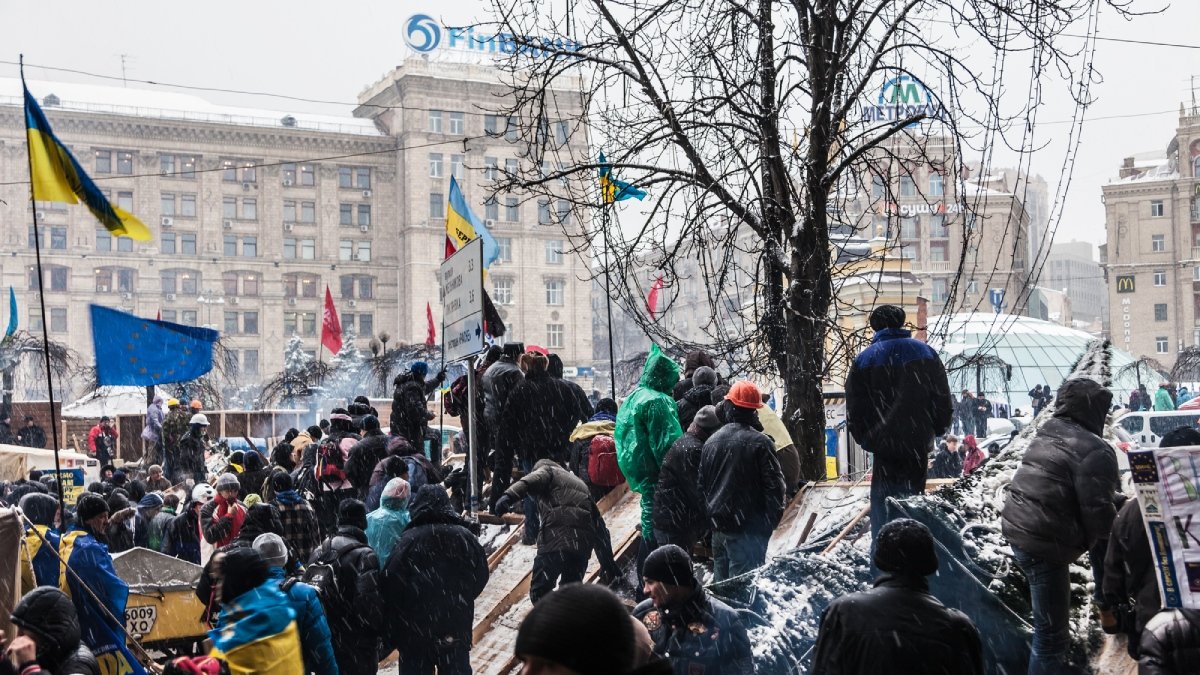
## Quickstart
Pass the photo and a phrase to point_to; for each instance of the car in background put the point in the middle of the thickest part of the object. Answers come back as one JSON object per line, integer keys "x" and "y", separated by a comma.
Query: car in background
{"x": 1148, "y": 427}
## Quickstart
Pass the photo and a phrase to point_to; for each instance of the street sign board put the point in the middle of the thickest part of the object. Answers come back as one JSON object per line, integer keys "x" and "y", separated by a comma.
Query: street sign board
{"x": 461, "y": 281}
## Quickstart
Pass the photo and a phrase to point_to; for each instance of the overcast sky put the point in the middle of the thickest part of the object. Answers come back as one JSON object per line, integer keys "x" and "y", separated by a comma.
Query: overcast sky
{"x": 331, "y": 51}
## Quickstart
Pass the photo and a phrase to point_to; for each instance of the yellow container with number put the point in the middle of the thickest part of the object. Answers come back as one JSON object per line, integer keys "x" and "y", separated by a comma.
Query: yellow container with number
{"x": 162, "y": 610}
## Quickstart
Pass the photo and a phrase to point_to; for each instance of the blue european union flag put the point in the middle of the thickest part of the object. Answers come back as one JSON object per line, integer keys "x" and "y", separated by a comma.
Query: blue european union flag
{"x": 131, "y": 350}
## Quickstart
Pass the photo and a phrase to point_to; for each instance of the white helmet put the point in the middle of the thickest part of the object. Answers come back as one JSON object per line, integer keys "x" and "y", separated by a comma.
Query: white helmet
{"x": 203, "y": 493}
{"x": 200, "y": 419}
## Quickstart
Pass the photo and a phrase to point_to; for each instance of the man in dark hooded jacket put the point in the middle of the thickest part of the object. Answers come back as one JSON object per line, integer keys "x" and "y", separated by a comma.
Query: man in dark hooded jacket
{"x": 357, "y": 613}
{"x": 1061, "y": 502}
{"x": 691, "y": 362}
{"x": 897, "y": 401}
{"x": 409, "y": 408}
{"x": 365, "y": 455}
{"x": 571, "y": 390}
{"x": 897, "y": 627}
{"x": 48, "y": 638}
{"x": 1170, "y": 645}
{"x": 498, "y": 382}
{"x": 700, "y": 395}
{"x": 436, "y": 570}
{"x": 680, "y": 512}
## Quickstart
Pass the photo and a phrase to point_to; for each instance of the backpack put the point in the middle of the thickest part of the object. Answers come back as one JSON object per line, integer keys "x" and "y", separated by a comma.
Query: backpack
{"x": 322, "y": 573}
{"x": 331, "y": 458}
{"x": 602, "y": 462}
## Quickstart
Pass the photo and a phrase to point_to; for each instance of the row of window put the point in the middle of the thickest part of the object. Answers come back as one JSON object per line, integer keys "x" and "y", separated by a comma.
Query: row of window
{"x": 120, "y": 162}
{"x": 553, "y": 250}
{"x": 560, "y": 213}
{"x": 305, "y": 323}
{"x": 936, "y": 186}
{"x": 502, "y": 291}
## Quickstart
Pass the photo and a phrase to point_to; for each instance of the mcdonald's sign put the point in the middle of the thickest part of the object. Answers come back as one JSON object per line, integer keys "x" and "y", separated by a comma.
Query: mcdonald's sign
{"x": 1125, "y": 284}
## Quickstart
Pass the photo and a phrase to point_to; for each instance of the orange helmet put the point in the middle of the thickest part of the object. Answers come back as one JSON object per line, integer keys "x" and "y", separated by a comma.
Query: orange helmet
{"x": 744, "y": 394}
{"x": 195, "y": 404}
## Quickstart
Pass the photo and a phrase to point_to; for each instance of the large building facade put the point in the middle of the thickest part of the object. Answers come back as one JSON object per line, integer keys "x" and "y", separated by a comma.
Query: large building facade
{"x": 254, "y": 213}
{"x": 1152, "y": 261}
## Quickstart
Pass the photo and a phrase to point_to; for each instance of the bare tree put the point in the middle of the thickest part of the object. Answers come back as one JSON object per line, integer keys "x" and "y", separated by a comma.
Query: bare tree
{"x": 25, "y": 348}
{"x": 745, "y": 122}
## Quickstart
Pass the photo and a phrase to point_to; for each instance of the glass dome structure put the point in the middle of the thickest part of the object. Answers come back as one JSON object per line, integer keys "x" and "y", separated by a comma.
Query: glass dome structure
{"x": 977, "y": 348}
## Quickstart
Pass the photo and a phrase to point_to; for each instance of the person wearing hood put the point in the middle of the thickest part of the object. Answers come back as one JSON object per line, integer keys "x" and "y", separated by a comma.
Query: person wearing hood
{"x": 148, "y": 508}
{"x": 973, "y": 457}
{"x": 571, "y": 390}
{"x": 187, "y": 463}
{"x": 432, "y": 577}
{"x": 679, "y": 506}
{"x": 647, "y": 425}
{"x": 152, "y": 433}
{"x": 1060, "y": 504}
{"x": 388, "y": 468}
{"x": 691, "y": 363}
{"x": 571, "y": 527}
{"x": 254, "y": 472}
{"x": 387, "y": 523}
{"x": 355, "y": 612}
{"x": 696, "y": 632}
{"x": 700, "y": 395}
{"x": 221, "y": 519}
{"x": 498, "y": 382}
{"x": 260, "y": 519}
{"x": 256, "y": 630}
{"x": 120, "y": 522}
{"x": 743, "y": 486}
{"x": 301, "y": 530}
{"x": 365, "y": 454}
{"x": 409, "y": 406}
{"x": 897, "y": 402}
{"x": 39, "y": 564}
{"x": 315, "y": 638}
{"x": 48, "y": 638}
{"x": 596, "y": 436}
{"x": 1163, "y": 400}
{"x": 85, "y": 552}
{"x": 898, "y": 626}
{"x": 159, "y": 526}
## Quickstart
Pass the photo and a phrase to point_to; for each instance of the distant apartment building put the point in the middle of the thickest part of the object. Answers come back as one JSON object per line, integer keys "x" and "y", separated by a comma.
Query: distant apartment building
{"x": 1152, "y": 255}
{"x": 1072, "y": 269}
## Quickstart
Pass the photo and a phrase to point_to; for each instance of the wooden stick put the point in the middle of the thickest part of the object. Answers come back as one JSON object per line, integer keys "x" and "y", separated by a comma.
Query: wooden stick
{"x": 846, "y": 530}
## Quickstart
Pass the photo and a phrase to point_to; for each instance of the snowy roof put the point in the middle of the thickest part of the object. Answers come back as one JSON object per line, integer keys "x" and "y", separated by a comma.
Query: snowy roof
{"x": 1152, "y": 166}
{"x": 164, "y": 104}
{"x": 975, "y": 189}
{"x": 110, "y": 401}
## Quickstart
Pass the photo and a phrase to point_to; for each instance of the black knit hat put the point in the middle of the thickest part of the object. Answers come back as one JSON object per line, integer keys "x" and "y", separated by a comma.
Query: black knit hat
{"x": 39, "y": 508}
{"x": 905, "y": 546}
{"x": 281, "y": 481}
{"x": 50, "y": 615}
{"x": 669, "y": 565}
{"x": 582, "y": 627}
{"x": 352, "y": 512}
{"x": 887, "y": 316}
{"x": 242, "y": 569}
{"x": 89, "y": 506}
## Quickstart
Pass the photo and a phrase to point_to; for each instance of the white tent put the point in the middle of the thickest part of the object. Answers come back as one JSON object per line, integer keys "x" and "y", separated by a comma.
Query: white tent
{"x": 110, "y": 401}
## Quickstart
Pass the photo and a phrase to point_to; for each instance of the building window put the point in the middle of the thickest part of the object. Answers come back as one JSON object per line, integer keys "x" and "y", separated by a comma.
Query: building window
{"x": 308, "y": 212}
{"x": 287, "y": 173}
{"x": 345, "y": 177}
{"x": 456, "y": 166}
{"x": 238, "y": 171}
{"x": 345, "y": 250}
{"x": 58, "y": 238}
{"x": 58, "y": 319}
{"x": 1160, "y": 344}
{"x": 491, "y": 167}
{"x": 491, "y": 125}
{"x": 230, "y": 247}
{"x": 308, "y": 175}
{"x": 435, "y": 121}
{"x": 103, "y": 161}
{"x": 364, "y": 251}
{"x": 562, "y": 132}
{"x": 167, "y": 240}
{"x": 166, "y": 204}
{"x": 166, "y": 164}
{"x": 169, "y": 315}
{"x": 458, "y": 123}
{"x": 35, "y": 319}
{"x": 554, "y": 335}
{"x": 564, "y": 212}
{"x": 491, "y": 208}
{"x": 250, "y": 286}
{"x": 300, "y": 323}
{"x": 437, "y": 205}
{"x": 1160, "y": 311}
{"x": 345, "y": 214}
{"x": 502, "y": 291}
{"x": 249, "y": 209}
{"x": 512, "y": 209}
{"x": 125, "y": 201}
{"x": 1160, "y": 277}
{"x": 188, "y": 317}
{"x": 229, "y": 208}
{"x": 435, "y": 165}
{"x": 124, "y": 245}
{"x": 505, "y": 246}
{"x": 57, "y": 277}
{"x": 555, "y": 291}
{"x": 364, "y": 215}
{"x": 250, "y": 247}
{"x": 250, "y": 323}
{"x": 543, "y": 207}
{"x": 908, "y": 188}
{"x": 187, "y": 206}
{"x": 229, "y": 283}
{"x": 512, "y": 132}
{"x": 362, "y": 178}
{"x": 366, "y": 324}
{"x": 554, "y": 251}
{"x": 1158, "y": 243}
{"x": 511, "y": 167}
{"x": 125, "y": 163}
{"x": 937, "y": 252}
{"x": 910, "y": 228}
{"x": 877, "y": 187}
{"x": 1156, "y": 208}
{"x": 103, "y": 240}
{"x": 187, "y": 244}
{"x": 250, "y": 361}
{"x": 231, "y": 323}
{"x": 937, "y": 185}
{"x": 289, "y": 211}
{"x": 938, "y": 291}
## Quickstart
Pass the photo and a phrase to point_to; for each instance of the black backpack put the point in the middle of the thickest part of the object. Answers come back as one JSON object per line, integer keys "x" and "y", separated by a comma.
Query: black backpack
{"x": 324, "y": 571}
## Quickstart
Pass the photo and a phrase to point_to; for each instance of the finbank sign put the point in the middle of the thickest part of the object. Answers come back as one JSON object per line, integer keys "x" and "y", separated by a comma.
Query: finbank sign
{"x": 902, "y": 97}
{"x": 424, "y": 35}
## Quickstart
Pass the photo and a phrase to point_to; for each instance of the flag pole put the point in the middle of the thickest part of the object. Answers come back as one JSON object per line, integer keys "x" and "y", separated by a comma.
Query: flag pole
{"x": 37, "y": 251}
{"x": 612, "y": 364}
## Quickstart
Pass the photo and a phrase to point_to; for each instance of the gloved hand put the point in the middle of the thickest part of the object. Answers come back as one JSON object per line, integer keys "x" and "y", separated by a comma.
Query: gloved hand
{"x": 503, "y": 505}
{"x": 441, "y": 376}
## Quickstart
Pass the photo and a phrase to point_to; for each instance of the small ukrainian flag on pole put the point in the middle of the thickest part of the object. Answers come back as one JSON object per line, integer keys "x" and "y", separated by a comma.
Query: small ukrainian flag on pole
{"x": 613, "y": 190}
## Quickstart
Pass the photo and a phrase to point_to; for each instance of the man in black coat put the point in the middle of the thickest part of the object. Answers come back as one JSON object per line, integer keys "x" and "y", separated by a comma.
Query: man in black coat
{"x": 948, "y": 461}
{"x": 1061, "y": 502}
{"x": 570, "y": 389}
{"x": 365, "y": 454}
{"x": 743, "y": 486}
{"x": 357, "y": 613}
{"x": 700, "y": 395}
{"x": 897, "y": 402}
{"x": 696, "y": 632}
{"x": 680, "y": 510}
{"x": 964, "y": 414}
{"x": 897, "y": 627}
{"x": 436, "y": 570}
{"x": 1171, "y": 643}
{"x": 48, "y": 637}
{"x": 498, "y": 382}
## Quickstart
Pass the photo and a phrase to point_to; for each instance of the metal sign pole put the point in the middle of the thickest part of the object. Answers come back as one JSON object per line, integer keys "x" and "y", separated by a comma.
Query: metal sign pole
{"x": 472, "y": 443}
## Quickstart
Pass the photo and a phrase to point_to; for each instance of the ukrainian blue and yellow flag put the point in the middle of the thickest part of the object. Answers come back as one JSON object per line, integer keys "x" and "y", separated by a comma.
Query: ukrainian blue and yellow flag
{"x": 613, "y": 190}
{"x": 462, "y": 226}
{"x": 56, "y": 176}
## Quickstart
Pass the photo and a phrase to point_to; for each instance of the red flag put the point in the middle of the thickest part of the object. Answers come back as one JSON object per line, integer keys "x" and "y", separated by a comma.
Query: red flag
{"x": 331, "y": 328}
{"x": 431, "y": 336}
{"x": 652, "y": 298}
{"x": 159, "y": 317}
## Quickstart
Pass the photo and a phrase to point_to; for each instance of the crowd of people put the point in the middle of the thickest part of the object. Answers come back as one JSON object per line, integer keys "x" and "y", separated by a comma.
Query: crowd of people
{"x": 346, "y": 542}
{"x": 1166, "y": 398}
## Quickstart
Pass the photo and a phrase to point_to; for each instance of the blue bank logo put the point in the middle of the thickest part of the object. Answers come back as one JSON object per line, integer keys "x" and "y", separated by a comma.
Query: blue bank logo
{"x": 422, "y": 33}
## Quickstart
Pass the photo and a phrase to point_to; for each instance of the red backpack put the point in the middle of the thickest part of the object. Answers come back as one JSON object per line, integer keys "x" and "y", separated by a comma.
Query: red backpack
{"x": 331, "y": 458}
{"x": 602, "y": 463}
